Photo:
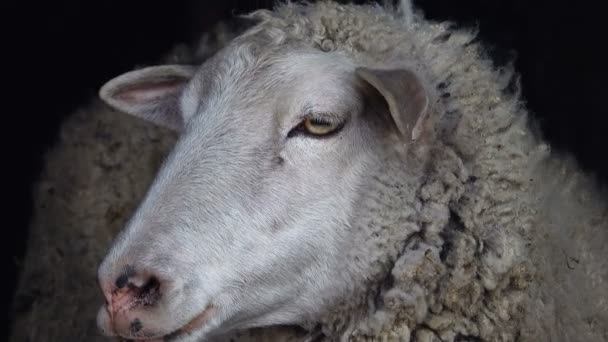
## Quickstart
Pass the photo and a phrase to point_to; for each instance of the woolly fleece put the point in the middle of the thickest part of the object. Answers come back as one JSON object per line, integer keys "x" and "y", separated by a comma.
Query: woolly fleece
{"x": 510, "y": 239}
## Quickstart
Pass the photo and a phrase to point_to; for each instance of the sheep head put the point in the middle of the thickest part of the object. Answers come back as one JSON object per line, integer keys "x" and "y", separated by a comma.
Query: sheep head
{"x": 254, "y": 217}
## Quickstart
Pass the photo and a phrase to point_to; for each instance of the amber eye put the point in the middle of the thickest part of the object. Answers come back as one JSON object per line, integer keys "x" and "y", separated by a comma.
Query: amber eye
{"x": 316, "y": 128}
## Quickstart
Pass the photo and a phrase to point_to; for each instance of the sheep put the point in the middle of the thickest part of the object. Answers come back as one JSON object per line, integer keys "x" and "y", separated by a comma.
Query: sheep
{"x": 453, "y": 221}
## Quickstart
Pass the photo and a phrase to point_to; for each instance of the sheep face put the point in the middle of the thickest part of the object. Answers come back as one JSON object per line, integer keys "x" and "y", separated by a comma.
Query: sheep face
{"x": 249, "y": 219}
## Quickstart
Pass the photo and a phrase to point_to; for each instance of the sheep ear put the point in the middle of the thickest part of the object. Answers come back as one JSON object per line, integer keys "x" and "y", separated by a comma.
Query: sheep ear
{"x": 405, "y": 95}
{"x": 150, "y": 93}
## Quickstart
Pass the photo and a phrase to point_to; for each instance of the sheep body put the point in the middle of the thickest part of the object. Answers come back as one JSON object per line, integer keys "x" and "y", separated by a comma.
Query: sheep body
{"x": 509, "y": 239}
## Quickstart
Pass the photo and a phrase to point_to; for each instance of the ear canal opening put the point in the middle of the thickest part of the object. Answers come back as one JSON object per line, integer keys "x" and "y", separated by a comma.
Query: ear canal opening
{"x": 150, "y": 93}
{"x": 152, "y": 90}
{"x": 155, "y": 78}
{"x": 404, "y": 95}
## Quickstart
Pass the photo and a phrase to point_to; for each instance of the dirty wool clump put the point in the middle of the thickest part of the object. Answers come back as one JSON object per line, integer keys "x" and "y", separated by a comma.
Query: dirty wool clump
{"x": 495, "y": 237}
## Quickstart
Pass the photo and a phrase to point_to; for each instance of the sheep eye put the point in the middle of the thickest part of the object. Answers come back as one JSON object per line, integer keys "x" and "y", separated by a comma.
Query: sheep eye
{"x": 316, "y": 128}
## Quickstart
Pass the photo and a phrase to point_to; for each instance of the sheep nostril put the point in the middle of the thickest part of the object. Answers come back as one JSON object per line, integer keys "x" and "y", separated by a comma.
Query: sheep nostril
{"x": 134, "y": 290}
{"x": 148, "y": 292}
{"x": 126, "y": 276}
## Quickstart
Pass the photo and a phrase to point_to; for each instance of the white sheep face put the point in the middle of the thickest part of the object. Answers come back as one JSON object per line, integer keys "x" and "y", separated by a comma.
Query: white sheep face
{"x": 248, "y": 221}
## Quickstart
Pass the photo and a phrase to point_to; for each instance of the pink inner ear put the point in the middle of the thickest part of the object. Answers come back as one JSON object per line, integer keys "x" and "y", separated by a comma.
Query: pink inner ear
{"x": 150, "y": 90}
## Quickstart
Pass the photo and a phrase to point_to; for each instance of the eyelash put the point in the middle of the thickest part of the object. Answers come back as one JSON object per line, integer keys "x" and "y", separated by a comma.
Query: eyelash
{"x": 301, "y": 129}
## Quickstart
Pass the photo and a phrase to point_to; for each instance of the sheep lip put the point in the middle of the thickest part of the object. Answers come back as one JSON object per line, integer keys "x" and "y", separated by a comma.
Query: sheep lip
{"x": 194, "y": 324}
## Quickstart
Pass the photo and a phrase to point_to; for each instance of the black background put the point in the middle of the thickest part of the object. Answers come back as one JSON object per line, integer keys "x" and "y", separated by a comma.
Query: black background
{"x": 58, "y": 53}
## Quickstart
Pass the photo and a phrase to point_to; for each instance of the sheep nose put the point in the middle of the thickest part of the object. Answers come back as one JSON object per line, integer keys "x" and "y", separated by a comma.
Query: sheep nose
{"x": 130, "y": 298}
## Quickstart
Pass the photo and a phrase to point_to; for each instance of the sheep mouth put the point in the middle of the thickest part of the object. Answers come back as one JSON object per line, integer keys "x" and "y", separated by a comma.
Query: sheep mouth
{"x": 194, "y": 324}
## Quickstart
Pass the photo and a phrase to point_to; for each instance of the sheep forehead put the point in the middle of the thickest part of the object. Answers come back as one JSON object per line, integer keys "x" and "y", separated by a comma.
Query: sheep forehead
{"x": 317, "y": 81}
{"x": 291, "y": 80}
